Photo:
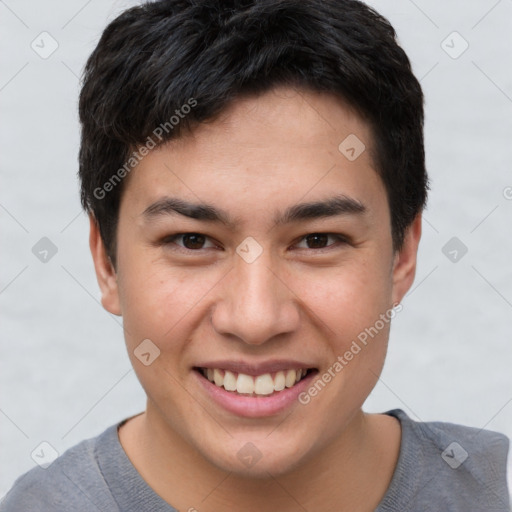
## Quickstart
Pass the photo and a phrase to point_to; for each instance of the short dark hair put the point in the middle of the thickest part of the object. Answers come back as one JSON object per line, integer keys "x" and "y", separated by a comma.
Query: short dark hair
{"x": 156, "y": 58}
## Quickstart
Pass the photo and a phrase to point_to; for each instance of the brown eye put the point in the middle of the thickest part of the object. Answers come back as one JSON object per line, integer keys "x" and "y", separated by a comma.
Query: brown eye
{"x": 321, "y": 241}
{"x": 189, "y": 241}
{"x": 317, "y": 240}
{"x": 193, "y": 240}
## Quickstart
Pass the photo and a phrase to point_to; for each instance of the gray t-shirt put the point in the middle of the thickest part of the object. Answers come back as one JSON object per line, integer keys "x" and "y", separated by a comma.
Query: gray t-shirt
{"x": 441, "y": 467}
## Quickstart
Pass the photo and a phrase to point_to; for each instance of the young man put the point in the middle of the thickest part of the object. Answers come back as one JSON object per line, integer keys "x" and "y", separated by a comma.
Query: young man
{"x": 254, "y": 174}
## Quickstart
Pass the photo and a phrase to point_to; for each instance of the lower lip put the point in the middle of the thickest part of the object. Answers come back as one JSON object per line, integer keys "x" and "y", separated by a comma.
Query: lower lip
{"x": 258, "y": 406}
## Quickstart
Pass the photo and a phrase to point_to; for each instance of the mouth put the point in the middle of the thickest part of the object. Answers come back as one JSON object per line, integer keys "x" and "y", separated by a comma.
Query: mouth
{"x": 263, "y": 385}
{"x": 254, "y": 392}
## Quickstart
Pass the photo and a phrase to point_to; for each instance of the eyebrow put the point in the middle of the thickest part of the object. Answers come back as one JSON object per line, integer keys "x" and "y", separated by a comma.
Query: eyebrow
{"x": 330, "y": 207}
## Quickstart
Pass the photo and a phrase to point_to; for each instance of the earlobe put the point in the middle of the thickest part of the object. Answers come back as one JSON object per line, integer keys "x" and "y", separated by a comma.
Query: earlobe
{"x": 404, "y": 267}
{"x": 105, "y": 272}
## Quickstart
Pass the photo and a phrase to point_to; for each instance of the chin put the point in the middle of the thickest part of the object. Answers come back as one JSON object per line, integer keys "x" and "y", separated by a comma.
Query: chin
{"x": 258, "y": 460}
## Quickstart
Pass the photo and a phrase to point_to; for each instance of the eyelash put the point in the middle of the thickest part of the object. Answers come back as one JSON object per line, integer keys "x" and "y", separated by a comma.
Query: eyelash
{"x": 170, "y": 239}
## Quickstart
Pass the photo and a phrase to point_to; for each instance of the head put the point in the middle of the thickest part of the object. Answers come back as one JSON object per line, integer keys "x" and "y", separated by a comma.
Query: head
{"x": 287, "y": 139}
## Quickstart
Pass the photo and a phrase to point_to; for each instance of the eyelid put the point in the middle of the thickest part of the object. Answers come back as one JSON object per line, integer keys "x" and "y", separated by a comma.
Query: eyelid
{"x": 171, "y": 239}
{"x": 340, "y": 239}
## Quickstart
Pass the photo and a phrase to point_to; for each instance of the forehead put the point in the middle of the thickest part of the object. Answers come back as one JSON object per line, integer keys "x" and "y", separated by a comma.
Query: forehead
{"x": 277, "y": 147}
{"x": 281, "y": 120}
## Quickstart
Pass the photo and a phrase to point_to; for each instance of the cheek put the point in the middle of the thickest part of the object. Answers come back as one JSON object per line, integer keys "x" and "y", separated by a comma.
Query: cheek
{"x": 159, "y": 302}
{"x": 158, "y": 305}
{"x": 348, "y": 299}
{"x": 352, "y": 307}
{"x": 353, "y": 310}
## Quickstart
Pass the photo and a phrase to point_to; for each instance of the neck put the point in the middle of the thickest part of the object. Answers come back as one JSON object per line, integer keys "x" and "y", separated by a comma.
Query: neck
{"x": 351, "y": 473}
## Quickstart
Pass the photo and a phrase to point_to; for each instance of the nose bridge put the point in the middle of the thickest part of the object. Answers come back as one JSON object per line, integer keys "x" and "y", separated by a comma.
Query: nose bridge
{"x": 255, "y": 304}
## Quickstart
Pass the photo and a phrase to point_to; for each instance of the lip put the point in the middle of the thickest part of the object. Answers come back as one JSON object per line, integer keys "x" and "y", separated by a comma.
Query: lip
{"x": 255, "y": 369}
{"x": 254, "y": 407}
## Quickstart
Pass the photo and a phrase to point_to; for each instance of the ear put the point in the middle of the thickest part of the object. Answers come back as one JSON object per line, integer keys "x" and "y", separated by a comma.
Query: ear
{"x": 404, "y": 266}
{"x": 105, "y": 272}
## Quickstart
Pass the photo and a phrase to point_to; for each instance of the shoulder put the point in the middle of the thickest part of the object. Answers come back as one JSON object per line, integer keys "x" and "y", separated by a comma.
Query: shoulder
{"x": 453, "y": 466}
{"x": 509, "y": 475}
{"x": 73, "y": 481}
{"x": 464, "y": 442}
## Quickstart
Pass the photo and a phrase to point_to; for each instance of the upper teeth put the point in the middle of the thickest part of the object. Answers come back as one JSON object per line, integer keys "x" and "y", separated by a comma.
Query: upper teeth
{"x": 247, "y": 384}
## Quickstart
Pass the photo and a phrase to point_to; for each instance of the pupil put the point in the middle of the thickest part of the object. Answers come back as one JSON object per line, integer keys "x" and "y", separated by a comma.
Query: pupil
{"x": 320, "y": 240}
{"x": 193, "y": 241}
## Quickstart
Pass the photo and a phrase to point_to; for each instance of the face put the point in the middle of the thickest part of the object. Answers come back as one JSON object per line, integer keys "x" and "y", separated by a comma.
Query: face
{"x": 255, "y": 253}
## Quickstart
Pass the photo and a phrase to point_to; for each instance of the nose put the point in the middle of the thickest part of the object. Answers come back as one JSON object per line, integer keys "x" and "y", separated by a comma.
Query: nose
{"x": 255, "y": 304}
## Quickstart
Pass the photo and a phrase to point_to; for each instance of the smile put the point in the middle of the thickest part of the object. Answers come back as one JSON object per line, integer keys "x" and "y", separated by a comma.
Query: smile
{"x": 254, "y": 390}
{"x": 254, "y": 385}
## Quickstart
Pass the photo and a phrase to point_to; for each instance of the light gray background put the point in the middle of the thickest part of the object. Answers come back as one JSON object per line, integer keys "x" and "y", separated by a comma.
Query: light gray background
{"x": 65, "y": 375}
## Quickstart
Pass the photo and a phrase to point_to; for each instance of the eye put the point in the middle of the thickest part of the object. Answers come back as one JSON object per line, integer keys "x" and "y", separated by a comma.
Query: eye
{"x": 320, "y": 240}
{"x": 190, "y": 241}
{"x": 197, "y": 241}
